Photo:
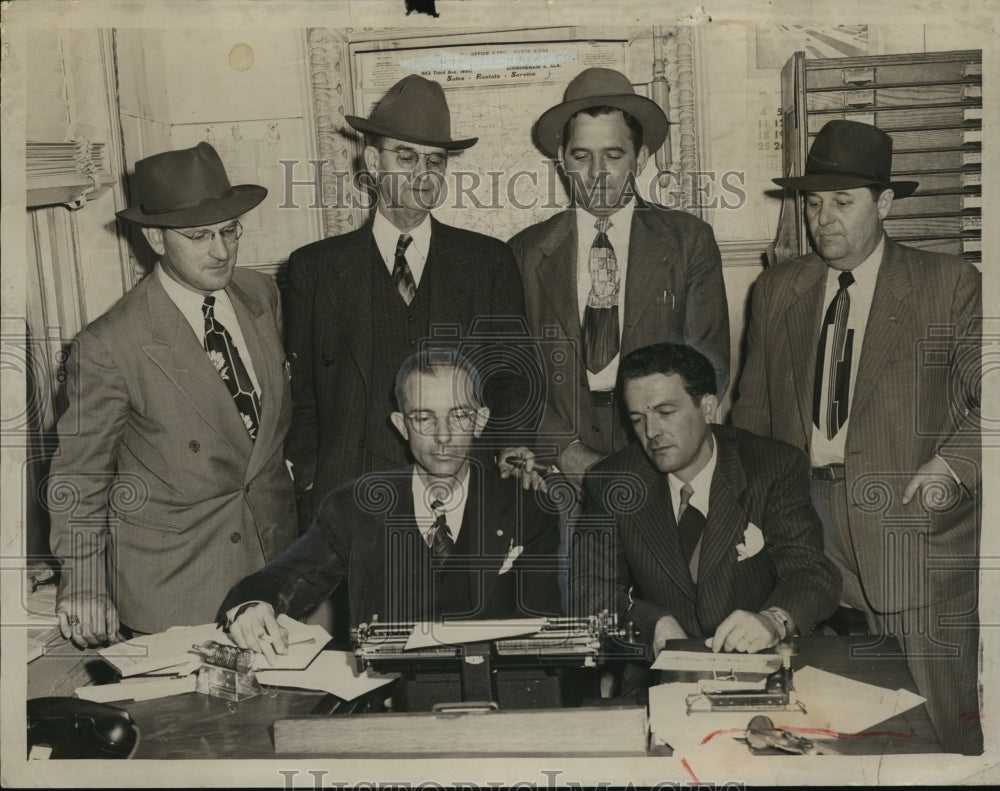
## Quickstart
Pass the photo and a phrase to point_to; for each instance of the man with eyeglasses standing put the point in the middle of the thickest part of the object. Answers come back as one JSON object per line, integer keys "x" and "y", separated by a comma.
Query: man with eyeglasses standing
{"x": 445, "y": 537}
{"x": 170, "y": 482}
{"x": 360, "y": 303}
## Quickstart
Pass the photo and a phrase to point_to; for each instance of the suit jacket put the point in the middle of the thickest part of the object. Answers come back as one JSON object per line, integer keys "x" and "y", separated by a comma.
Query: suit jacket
{"x": 155, "y": 461}
{"x": 917, "y": 392}
{"x": 366, "y": 532}
{"x": 330, "y": 341}
{"x": 627, "y": 553}
{"x": 673, "y": 292}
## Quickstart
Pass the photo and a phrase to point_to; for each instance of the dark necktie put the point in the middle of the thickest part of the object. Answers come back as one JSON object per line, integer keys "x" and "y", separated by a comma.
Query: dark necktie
{"x": 442, "y": 543}
{"x": 833, "y": 372}
{"x": 690, "y": 523}
{"x": 600, "y": 317}
{"x": 401, "y": 274}
{"x": 226, "y": 359}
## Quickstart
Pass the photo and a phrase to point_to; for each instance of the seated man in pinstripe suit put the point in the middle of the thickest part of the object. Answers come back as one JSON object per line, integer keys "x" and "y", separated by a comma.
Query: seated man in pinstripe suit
{"x": 714, "y": 534}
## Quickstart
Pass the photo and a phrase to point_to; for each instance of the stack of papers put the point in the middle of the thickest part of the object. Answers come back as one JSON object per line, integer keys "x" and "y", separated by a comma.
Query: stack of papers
{"x": 162, "y": 664}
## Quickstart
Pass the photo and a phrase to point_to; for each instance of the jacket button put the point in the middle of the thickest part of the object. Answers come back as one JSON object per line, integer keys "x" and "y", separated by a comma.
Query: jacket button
{"x": 194, "y": 446}
{"x": 596, "y": 428}
{"x": 236, "y": 538}
{"x": 247, "y": 488}
{"x": 361, "y": 443}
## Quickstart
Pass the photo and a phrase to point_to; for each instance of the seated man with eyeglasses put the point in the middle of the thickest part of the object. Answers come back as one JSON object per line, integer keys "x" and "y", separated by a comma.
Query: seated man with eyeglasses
{"x": 170, "y": 484}
{"x": 444, "y": 538}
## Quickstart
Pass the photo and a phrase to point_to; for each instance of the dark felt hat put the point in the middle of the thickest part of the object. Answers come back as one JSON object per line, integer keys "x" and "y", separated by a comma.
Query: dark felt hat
{"x": 185, "y": 188}
{"x": 414, "y": 110}
{"x": 596, "y": 88}
{"x": 849, "y": 154}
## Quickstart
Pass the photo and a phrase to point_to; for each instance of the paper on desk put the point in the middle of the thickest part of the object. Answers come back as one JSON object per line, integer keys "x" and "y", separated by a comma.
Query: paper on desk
{"x": 137, "y": 689}
{"x": 428, "y": 634}
{"x": 833, "y": 703}
{"x": 331, "y": 671}
{"x": 722, "y": 662}
{"x": 157, "y": 652}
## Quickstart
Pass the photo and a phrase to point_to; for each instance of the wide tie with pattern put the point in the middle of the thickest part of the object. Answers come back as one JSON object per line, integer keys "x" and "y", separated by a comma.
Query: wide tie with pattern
{"x": 442, "y": 542}
{"x": 690, "y": 523}
{"x": 600, "y": 318}
{"x": 402, "y": 275}
{"x": 833, "y": 362}
{"x": 227, "y": 361}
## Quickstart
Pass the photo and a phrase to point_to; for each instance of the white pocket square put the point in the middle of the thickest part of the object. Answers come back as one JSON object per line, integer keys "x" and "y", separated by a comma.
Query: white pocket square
{"x": 753, "y": 542}
{"x": 512, "y": 555}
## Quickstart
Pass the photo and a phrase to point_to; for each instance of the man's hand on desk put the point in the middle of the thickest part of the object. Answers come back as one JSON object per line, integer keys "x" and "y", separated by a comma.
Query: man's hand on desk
{"x": 744, "y": 631}
{"x": 666, "y": 628}
{"x": 89, "y": 620}
{"x": 254, "y": 627}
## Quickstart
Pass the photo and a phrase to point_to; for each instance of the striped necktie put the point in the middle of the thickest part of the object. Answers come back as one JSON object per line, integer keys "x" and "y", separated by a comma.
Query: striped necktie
{"x": 833, "y": 362}
{"x": 402, "y": 276}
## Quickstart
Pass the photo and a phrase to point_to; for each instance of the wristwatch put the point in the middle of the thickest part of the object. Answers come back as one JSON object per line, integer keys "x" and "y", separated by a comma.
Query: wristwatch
{"x": 781, "y": 619}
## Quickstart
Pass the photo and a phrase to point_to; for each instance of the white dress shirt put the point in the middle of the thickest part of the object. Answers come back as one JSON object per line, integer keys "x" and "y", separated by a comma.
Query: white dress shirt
{"x": 189, "y": 303}
{"x": 831, "y": 451}
{"x": 452, "y": 492}
{"x": 387, "y": 237}
{"x": 618, "y": 235}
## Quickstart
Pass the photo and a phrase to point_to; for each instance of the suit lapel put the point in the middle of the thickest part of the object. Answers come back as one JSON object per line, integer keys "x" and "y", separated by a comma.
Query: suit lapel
{"x": 648, "y": 252}
{"x": 176, "y": 351}
{"x": 726, "y": 518}
{"x": 446, "y": 274}
{"x": 556, "y": 276}
{"x": 802, "y": 319}
{"x": 257, "y": 326}
{"x": 656, "y": 524}
{"x": 354, "y": 273}
{"x": 892, "y": 292}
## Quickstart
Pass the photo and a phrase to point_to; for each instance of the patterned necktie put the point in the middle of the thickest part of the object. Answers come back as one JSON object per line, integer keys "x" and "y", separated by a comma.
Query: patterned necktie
{"x": 401, "y": 274}
{"x": 690, "y": 523}
{"x": 833, "y": 371}
{"x": 442, "y": 543}
{"x": 226, "y": 359}
{"x": 600, "y": 318}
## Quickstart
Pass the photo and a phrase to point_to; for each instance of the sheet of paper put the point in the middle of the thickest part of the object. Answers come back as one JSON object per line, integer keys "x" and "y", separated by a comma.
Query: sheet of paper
{"x": 429, "y": 634}
{"x": 137, "y": 689}
{"x": 833, "y": 703}
{"x": 331, "y": 671}
{"x": 305, "y": 641}
{"x": 722, "y": 662}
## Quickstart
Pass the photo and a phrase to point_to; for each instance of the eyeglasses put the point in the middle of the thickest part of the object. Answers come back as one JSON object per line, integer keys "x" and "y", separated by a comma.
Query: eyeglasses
{"x": 230, "y": 234}
{"x": 428, "y": 422}
{"x": 408, "y": 158}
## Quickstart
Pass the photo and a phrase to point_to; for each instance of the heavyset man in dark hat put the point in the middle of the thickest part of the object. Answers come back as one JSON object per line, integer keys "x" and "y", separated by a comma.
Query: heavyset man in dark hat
{"x": 865, "y": 354}
{"x": 361, "y": 303}
{"x": 169, "y": 484}
{"x": 614, "y": 272}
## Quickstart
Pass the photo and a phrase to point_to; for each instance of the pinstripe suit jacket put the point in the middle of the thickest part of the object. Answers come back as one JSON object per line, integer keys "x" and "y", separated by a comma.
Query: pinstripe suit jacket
{"x": 917, "y": 392}
{"x": 627, "y": 538}
{"x": 673, "y": 291}
{"x": 155, "y": 461}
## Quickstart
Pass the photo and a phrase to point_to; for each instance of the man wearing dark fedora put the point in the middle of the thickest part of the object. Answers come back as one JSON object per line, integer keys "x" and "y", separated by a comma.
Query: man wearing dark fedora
{"x": 614, "y": 272}
{"x": 360, "y": 303}
{"x": 864, "y": 354}
{"x": 170, "y": 484}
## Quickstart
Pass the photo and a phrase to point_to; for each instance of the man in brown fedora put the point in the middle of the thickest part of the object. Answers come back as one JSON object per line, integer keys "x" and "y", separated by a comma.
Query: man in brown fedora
{"x": 361, "y": 303}
{"x": 614, "y": 272}
{"x": 864, "y": 354}
{"x": 170, "y": 484}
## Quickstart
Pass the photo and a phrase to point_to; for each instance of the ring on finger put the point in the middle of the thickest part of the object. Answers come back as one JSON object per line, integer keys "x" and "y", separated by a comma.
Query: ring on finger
{"x": 74, "y": 620}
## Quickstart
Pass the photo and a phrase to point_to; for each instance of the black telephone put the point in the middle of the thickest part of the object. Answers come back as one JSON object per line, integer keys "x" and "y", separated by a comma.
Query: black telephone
{"x": 75, "y": 728}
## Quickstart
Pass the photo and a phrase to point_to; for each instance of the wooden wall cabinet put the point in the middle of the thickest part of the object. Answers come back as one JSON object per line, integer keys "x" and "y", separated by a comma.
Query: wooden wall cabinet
{"x": 931, "y": 103}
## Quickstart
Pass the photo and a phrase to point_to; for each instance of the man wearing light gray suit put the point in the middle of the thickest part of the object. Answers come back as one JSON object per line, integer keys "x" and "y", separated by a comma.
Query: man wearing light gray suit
{"x": 864, "y": 354}
{"x": 170, "y": 484}
{"x": 613, "y": 273}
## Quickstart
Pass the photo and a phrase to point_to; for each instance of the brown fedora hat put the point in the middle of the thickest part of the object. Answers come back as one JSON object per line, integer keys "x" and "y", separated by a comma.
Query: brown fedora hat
{"x": 597, "y": 87}
{"x": 185, "y": 188}
{"x": 849, "y": 154}
{"x": 414, "y": 110}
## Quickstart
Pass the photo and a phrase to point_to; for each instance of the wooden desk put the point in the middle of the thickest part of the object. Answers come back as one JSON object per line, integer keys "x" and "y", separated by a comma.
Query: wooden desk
{"x": 197, "y": 726}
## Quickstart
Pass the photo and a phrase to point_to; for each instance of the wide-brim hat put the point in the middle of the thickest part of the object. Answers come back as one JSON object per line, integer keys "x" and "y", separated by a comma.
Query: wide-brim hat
{"x": 185, "y": 188}
{"x": 849, "y": 154}
{"x": 413, "y": 110}
{"x": 598, "y": 87}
